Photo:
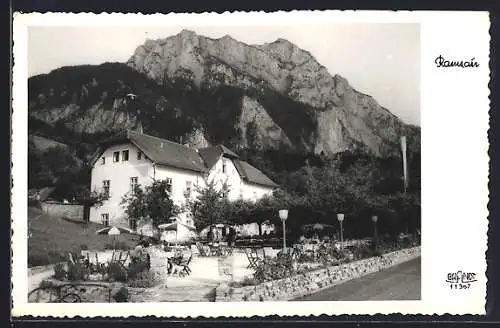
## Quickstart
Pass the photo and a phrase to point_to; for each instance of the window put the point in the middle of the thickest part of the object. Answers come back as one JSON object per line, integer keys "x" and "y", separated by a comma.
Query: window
{"x": 132, "y": 223}
{"x": 116, "y": 156}
{"x": 139, "y": 155}
{"x": 223, "y": 165}
{"x": 103, "y": 160}
{"x": 188, "y": 188}
{"x": 169, "y": 184}
{"x": 133, "y": 183}
{"x": 105, "y": 187}
{"x": 105, "y": 219}
{"x": 125, "y": 155}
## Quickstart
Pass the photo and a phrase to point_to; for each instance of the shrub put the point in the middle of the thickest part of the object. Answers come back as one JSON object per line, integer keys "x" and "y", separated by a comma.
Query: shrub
{"x": 336, "y": 253}
{"x": 59, "y": 271}
{"x": 211, "y": 295}
{"x": 47, "y": 284}
{"x": 144, "y": 279}
{"x": 272, "y": 269}
{"x": 76, "y": 271}
{"x": 144, "y": 243}
{"x": 154, "y": 240}
{"x": 84, "y": 247}
{"x": 362, "y": 251}
{"x": 122, "y": 295}
{"x": 139, "y": 261}
{"x": 117, "y": 272}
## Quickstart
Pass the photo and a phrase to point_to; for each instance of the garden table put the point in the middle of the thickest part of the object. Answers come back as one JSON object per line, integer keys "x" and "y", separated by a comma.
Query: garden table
{"x": 215, "y": 250}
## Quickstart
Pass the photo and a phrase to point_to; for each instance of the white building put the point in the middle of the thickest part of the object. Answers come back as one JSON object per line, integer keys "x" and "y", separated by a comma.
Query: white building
{"x": 132, "y": 158}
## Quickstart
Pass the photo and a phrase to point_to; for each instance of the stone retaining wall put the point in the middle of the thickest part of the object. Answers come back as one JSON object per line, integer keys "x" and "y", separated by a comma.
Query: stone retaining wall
{"x": 57, "y": 209}
{"x": 306, "y": 283}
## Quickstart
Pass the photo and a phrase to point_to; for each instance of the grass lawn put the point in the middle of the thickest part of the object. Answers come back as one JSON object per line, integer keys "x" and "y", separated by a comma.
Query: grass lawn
{"x": 51, "y": 238}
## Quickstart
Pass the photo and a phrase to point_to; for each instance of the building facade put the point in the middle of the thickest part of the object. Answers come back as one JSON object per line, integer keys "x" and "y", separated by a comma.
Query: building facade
{"x": 132, "y": 158}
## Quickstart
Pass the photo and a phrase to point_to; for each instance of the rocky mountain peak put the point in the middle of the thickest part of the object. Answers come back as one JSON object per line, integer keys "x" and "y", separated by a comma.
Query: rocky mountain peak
{"x": 269, "y": 96}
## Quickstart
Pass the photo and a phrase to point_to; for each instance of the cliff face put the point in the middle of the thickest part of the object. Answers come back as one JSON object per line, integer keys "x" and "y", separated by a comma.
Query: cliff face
{"x": 336, "y": 117}
{"x": 199, "y": 90}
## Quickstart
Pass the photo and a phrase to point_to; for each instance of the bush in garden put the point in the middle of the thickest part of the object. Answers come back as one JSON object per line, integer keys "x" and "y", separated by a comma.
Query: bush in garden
{"x": 211, "y": 295}
{"x": 76, "y": 271}
{"x": 337, "y": 254}
{"x": 144, "y": 243}
{"x": 121, "y": 295}
{"x": 117, "y": 272}
{"x": 362, "y": 251}
{"x": 140, "y": 261}
{"x": 47, "y": 284}
{"x": 59, "y": 271}
{"x": 272, "y": 269}
{"x": 144, "y": 279}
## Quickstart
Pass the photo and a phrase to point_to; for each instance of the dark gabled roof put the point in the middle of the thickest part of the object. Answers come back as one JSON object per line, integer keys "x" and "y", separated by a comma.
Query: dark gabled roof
{"x": 162, "y": 151}
{"x": 227, "y": 152}
{"x": 212, "y": 154}
{"x": 252, "y": 174}
{"x": 169, "y": 153}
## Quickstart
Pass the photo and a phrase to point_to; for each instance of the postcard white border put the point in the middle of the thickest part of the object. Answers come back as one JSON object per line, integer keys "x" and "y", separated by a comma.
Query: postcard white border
{"x": 454, "y": 121}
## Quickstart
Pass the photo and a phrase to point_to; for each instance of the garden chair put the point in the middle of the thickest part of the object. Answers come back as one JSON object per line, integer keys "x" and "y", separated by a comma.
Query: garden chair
{"x": 215, "y": 250}
{"x": 176, "y": 259}
{"x": 252, "y": 262}
{"x": 201, "y": 250}
{"x": 253, "y": 258}
{"x": 124, "y": 256}
{"x": 228, "y": 251}
{"x": 120, "y": 257}
{"x": 184, "y": 264}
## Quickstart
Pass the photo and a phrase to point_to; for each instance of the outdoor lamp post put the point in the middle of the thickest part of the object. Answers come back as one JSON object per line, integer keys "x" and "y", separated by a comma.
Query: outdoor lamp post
{"x": 340, "y": 217}
{"x": 375, "y": 237}
{"x": 283, "y": 216}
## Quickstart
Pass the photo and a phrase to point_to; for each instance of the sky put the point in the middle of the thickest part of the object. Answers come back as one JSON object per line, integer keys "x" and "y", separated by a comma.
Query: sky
{"x": 382, "y": 60}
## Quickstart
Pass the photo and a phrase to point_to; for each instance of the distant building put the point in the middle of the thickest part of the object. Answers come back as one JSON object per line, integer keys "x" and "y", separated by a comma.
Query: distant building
{"x": 132, "y": 158}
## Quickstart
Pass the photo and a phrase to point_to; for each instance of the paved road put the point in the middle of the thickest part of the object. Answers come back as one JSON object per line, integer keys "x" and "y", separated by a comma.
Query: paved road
{"x": 401, "y": 282}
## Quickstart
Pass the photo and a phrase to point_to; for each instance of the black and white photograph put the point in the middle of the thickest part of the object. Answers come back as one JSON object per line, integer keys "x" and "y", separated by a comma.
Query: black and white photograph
{"x": 224, "y": 163}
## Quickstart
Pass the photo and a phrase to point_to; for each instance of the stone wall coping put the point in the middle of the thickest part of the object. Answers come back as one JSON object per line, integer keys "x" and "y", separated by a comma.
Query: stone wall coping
{"x": 222, "y": 290}
{"x": 56, "y": 202}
